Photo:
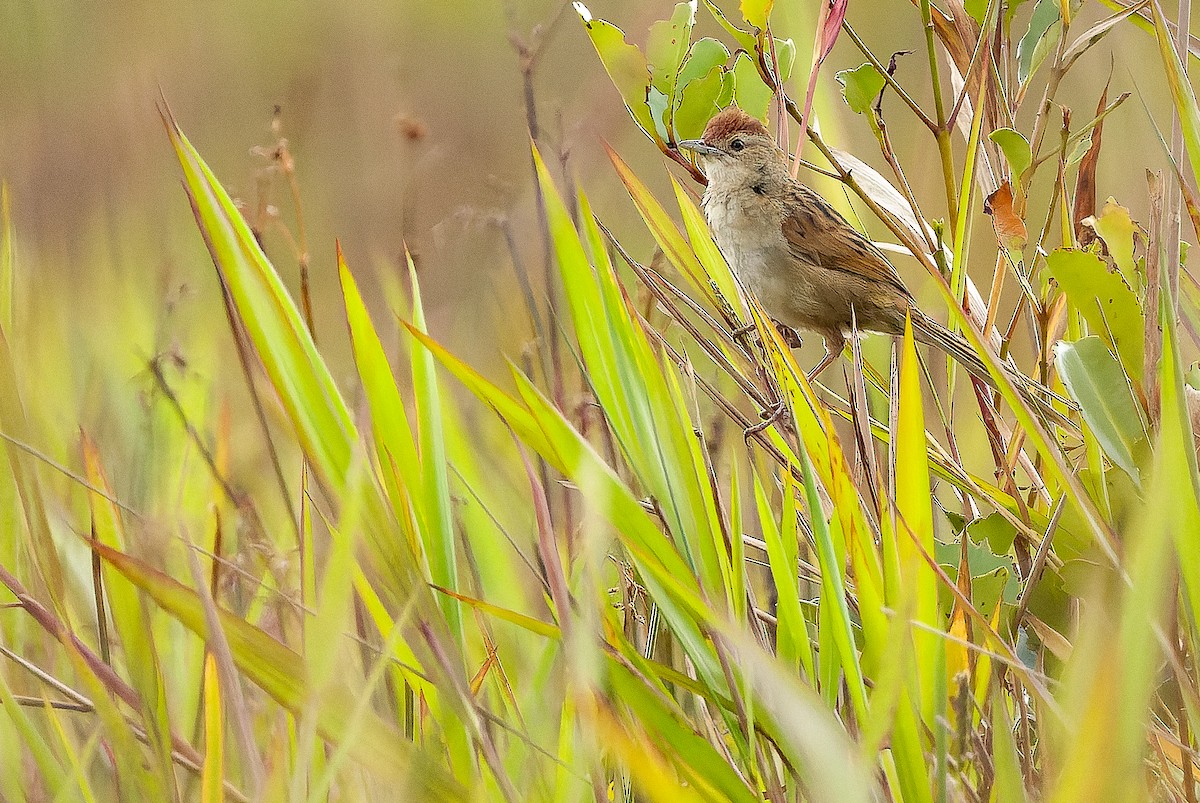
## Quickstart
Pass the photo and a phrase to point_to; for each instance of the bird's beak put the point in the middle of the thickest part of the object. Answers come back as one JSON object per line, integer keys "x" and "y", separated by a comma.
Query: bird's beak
{"x": 699, "y": 146}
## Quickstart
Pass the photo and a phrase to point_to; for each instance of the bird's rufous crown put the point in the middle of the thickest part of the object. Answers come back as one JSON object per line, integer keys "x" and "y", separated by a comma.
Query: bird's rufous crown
{"x": 730, "y": 121}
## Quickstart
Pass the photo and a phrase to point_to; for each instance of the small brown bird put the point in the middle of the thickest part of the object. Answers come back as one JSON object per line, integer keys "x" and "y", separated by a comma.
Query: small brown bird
{"x": 808, "y": 267}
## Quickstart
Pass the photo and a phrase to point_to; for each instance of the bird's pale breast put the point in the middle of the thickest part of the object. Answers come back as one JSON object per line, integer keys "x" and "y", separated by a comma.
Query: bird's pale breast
{"x": 747, "y": 232}
{"x": 747, "y": 229}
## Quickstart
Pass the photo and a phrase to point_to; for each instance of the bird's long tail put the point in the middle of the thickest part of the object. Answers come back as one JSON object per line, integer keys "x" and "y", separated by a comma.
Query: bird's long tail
{"x": 1038, "y": 396}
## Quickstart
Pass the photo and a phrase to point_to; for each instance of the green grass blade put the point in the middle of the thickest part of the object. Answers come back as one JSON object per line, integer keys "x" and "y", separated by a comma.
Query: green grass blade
{"x": 437, "y": 515}
{"x": 131, "y": 622}
{"x": 394, "y": 445}
{"x": 275, "y": 327}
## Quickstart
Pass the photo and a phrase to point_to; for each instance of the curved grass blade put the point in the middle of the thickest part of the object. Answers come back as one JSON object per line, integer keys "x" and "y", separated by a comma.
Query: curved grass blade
{"x": 275, "y": 327}
{"x": 394, "y": 445}
{"x": 436, "y": 514}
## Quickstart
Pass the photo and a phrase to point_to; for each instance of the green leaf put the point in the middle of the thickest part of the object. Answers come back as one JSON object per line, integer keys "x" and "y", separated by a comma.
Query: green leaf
{"x": 536, "y": 626}
{"x": 977, "y": 9}
{"x": 793, "y": 646}
{"x": 711, "y": 263}
{"x": 696, "y": 757}
{"x": 1079, "y": 150}
{"x": 749, "y": 91}
{"x": 37, "y": 750}
{"x": 1094, "y": 379}
{"x": 993, "y": 576}
{"x": 396, "y": 451}
{"x": 626, "y": 66}
{"x": 658, "y": 103}
{"x": 1176, "y": 462}
{"x": 511, "y": 410}
{"x": 1009, "y": 786}
{"x": 996, "y": 530}
{"x": 861, "y": 86}
{"x": 918, "y": 587}
{"x": 1016, "y": 150}
{"x": 1114, "y": 225}
{"x": 699, "y": 101}
{"x": 785, "y": 55}
{"x": 988, "y": 588}
{"x": 280, "y": 338}
{"x": 132, "y": 623}
{"x": 705, "y": 54}
{"x": 1104, "y": 299}
{"x": 744, "y": 39}
{"x": 438, "y": 513}
{"x": 1032, "y": 48}
{"x": 757, "y": 12}
{"x": 667, "y": 45}
{"x": 279, "y": 671}
{"x": 668, "y": 237}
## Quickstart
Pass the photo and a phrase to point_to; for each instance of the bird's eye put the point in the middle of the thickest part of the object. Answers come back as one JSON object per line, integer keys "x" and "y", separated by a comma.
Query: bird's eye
{"x": 736, "y": 145}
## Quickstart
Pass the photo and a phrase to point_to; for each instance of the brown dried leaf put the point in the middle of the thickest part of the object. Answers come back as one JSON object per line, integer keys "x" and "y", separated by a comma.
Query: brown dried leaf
{"x": 1085, "y": 183}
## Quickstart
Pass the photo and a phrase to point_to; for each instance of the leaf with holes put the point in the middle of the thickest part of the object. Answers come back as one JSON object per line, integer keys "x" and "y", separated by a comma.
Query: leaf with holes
{"x": 861, "y": 86}
{"x": 626, "y": 66}
{"x": 1104, "y": 299}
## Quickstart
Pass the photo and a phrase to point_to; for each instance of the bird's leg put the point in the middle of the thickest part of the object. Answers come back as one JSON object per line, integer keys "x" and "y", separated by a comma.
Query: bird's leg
{"x": 835, "y": 342}
{"x": 825, "y": 362}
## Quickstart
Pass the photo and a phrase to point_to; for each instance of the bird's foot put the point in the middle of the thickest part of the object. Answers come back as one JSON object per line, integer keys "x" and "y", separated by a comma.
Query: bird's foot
{"x": 770, "y": 416}
{"x": 742, "y": 331}
{"x": 791, "y": 337}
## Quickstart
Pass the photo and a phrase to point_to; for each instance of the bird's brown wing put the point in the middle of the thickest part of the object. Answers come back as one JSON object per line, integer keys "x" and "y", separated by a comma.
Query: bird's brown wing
{"x": 818, "y": 235}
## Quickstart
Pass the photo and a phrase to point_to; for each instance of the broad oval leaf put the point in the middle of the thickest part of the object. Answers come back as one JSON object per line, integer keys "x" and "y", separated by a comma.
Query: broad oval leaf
{"x": 1094, "y": 379}
{"x": 785, "y": 57}
{"x": 704, "y": 54}
{"x": 1034, "y": 45}
{"x": 667, "y": 45}
{"x": 756, "y": 12}
{"x": 1116, "y": 228}
{"x": 699, "y": 101}
{"x": 1016, "y": 150}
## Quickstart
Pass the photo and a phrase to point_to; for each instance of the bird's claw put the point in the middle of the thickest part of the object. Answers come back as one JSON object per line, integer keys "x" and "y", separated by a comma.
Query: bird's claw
{"x": 769, "y": 417}
{"x": 742, "y": 331}
{"x": 791, "y": 338}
